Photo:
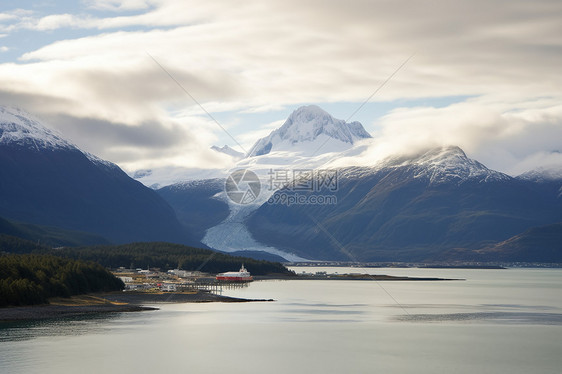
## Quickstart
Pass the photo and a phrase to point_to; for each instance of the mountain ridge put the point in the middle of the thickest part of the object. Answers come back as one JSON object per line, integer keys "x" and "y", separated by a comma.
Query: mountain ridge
{"x": 46, "y": 180}
{"x": 443, "y": 164}
{"x": 407, "y": 208}
{"x": 433, "y": 204}
{"x": 20, "y": 127}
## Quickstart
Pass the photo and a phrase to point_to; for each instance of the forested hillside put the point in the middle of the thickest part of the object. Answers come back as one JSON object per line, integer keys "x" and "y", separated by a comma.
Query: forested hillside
{"x": 168, "y": 256}
{"x": 32, "y": 279}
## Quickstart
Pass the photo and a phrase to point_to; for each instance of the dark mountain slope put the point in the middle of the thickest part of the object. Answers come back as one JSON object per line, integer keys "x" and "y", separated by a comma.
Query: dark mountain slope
{"x": 46, "y": 180}
{"x": 408, "y": 209}
{"x": 195, "y": 206}
{"x": 48, "y": 235}
{"x": 538, "y": 244}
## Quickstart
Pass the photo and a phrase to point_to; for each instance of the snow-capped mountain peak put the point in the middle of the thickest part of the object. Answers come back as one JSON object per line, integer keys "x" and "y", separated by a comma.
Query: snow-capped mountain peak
{"x": 21, "y": 128}
{"x": 228, "y": 151}
{"x": 447, "y": 164}
{"x": 309, "y": 125}
{"x": 450, "y": 163}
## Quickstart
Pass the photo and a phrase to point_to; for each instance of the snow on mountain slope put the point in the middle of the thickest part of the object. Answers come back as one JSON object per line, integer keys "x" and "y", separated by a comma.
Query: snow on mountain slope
{"x": 228, "y": 151}
{"x": 448, "y": 164}
{"x": 46, "y": 180}
{"x": 543, "y": 174}
{"x": 100, "y": 162}
{"x": 166, "y": 176}
{"x": 307, "y": 140}
{"x": 312, "y": 139}
{"x": 18, "y": 127}
{"x": 437, "y": 165}
{"x": 310, "y": 130}
{"x": 21, "y": 128}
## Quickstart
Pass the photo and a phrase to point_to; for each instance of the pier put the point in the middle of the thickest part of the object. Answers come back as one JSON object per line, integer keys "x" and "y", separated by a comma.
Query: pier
{"x": 211, "y": 285}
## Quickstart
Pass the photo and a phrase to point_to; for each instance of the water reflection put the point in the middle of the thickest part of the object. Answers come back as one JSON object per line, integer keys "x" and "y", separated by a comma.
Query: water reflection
{"x": 496, "y": 321}
{"x": 65, "y": 326}
{"x": 496, "y": 317}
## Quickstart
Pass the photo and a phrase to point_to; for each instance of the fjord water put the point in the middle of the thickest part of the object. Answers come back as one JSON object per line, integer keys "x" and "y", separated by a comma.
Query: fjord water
{"x": 495, "y": 321}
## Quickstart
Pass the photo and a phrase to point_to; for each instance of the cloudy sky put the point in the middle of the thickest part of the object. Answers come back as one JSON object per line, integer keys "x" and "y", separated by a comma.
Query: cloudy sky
{"x": 485, "y": 75}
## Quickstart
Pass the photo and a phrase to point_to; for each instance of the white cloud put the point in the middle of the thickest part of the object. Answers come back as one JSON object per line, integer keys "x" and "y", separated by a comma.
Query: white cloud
{"x": 118, "y": 5}
{"x": 505, "y": 134}
{"x": 256, "y": 56}
{"x": 57, "y": 21}
{"x": 7, "y": 17}
{"x": 4, "y": 49}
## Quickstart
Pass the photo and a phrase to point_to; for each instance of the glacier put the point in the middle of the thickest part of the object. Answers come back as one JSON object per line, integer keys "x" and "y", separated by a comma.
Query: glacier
{"x": 308, "y": 139}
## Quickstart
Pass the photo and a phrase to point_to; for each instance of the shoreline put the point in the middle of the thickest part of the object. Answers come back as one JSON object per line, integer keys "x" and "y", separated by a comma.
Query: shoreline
{"x": 132, "y": 301}
{"x": 46, "y": 311}
{"x": 111, "y": 302}
{"x": 354, "y": 277}
{"x": 138, "y": 298}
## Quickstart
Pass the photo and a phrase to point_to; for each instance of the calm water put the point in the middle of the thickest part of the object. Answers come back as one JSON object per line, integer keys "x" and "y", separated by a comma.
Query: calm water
{"x": 497, "y": 321}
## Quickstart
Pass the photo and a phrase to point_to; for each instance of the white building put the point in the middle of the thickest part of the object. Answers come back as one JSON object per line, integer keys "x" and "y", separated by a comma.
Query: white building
{"x": 168, "y": 287}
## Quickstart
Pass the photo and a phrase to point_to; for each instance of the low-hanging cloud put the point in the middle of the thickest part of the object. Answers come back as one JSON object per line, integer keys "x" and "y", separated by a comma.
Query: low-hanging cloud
{"x": 506, "y": 135}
